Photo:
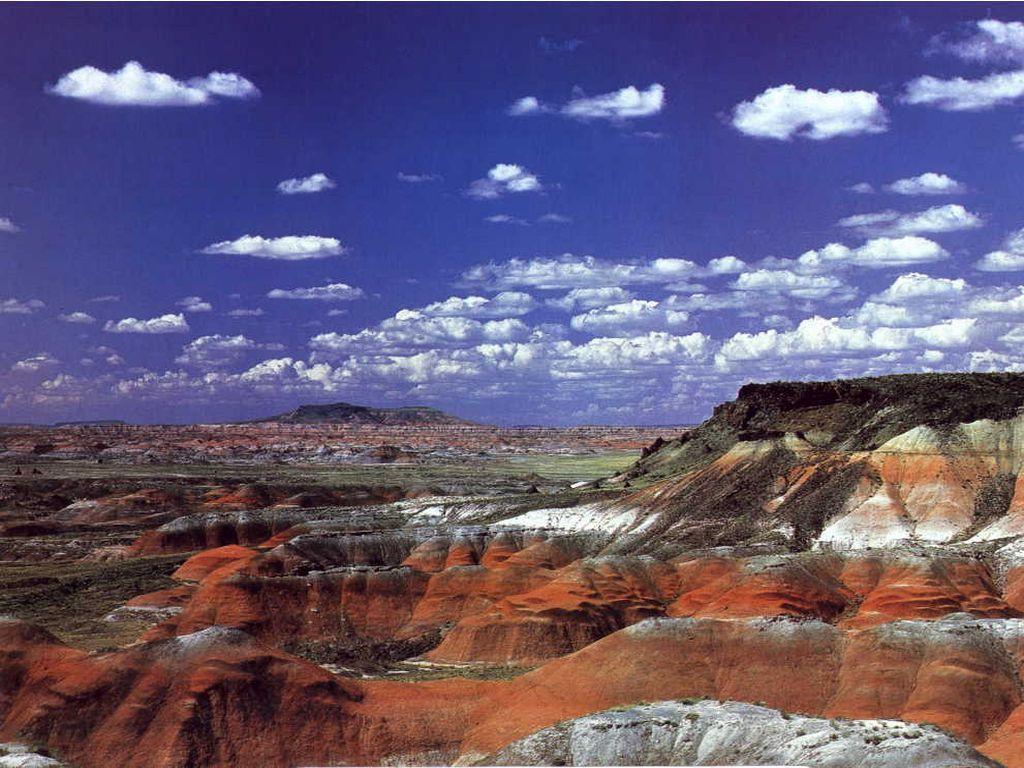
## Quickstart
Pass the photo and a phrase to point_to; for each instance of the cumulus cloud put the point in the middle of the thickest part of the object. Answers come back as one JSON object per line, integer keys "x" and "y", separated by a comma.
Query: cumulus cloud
{"x": 411, "y": 330}
{"x": 624, "y": 104}
{"x": 786, "y": 282}
{"x": 306, "y": 185}
{"x": 627, "y": 103}
{"x": 826, "y": 337}
{"x": 79, "y": 318}
{"x": 243, "y": 312}
{"x": 329, "y": 292}
{"x": 20, "y": 307}
{"x": 1010, "y": 258}
{"x": 133, "y": 85}
{"x": 502, "y": 179}
{"x": 929, "y": 183}
{"x": 861, "y": 188}
{"x": 35, "y": 363}
{"x": 289, "y": 248}
{"x": 939, "y": 219}
{"x": 528, "y": 105}
{"x": 989, "y": 41}
{"x": 8, "y": 226}
{"x": 164, "y": 324}
{"x": 628, "y": 318}
{"x": 725, "y": 265}
{"x": 505, "y": 304}
{"x": 915, "y": 286}
{"x": 569, "y": 271}
{"x": 195, "y": 304}
{"x": 589, "y": 298}
{"x": 962, "y": 95}
{"x": 878, "y": 253}
{"x": 217, "y": 350}
{"x": 1007, "y": 301}
{"x": 785, "y": 112}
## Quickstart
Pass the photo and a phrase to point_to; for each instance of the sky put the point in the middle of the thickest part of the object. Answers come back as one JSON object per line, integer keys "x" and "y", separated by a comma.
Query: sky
{"x": 520, "y": 213}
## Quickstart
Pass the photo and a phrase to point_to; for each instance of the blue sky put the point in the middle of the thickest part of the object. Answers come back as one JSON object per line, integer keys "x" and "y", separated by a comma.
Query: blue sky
{"x": 521, "y": 213}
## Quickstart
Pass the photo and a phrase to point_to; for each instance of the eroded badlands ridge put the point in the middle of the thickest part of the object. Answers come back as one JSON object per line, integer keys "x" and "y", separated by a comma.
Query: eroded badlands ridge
{"x": 848, "y": 551}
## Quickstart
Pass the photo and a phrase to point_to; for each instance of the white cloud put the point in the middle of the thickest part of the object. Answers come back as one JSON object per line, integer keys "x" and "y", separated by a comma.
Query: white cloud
{"x": 218, "y": 350}
{"x": 628, "y": 318}
{"x": 1000, "y": 261}
{"x": 504, "y": 178}
{"x": 195, "y": 304}
{"x": 35, "y": 363}
{"x": 915, "y": 286}
{"x": 792, "y": 284}
{"x": 624, "y": 104}
{"x": 289, "y": 248}
{"x": 819, "y": 336}
{"x": 569, "y": 271}
{"x": 553, "y": 218}
{"x": 109, "y": 354}
{"x": 962, "y": 95}
{"x": 228, "y": 85}
{"x": 992, "y": 41}
{"x": 164, "y": 324}
{"x": 1018, "y": 141}
{"x": 785, "y": 111}
{"x": 929, "y": 183}
{"x": 589, "y": 298}
{"x": 105, "y": 298}
{"x": 243, "y": 312}
{"x": 861, "y": 188}
{"x": 504, "y": 218}
{"x": 8, "y": 226}
{"x": 19, "y": 306}
{"x": 317, "y": 182}
{"x": 1009, "y": 259}
{"x": 410, "y": 330}
{"x": 329, "y": 292}
{"x": 1000, "y": 302}
{"x": 726, "y": 265}
{"x": 133, "y": 85}
{"x": 505, "y": 304}
{"x": 878, "y": 253}
{"x": 632, "y": 353}
{"x": 80, "y": 318}
{"x": 627, "y": 103}
{"x": 417, "y": 178}
{"x": 528, "y": 105}
{"x": 739, "y": 300}
{"x": 939, "y": 219}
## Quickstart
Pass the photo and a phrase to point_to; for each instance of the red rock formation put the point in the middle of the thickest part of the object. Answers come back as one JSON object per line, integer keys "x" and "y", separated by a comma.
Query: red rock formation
{"x": 960, "y": 675}
{"x": 201, "y": 565}
{"x": 584, "y": 602}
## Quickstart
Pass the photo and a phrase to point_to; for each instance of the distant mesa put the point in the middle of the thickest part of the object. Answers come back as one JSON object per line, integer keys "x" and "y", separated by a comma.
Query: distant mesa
{"x": 92, "y": 423}
{"x": 346, "y": 413}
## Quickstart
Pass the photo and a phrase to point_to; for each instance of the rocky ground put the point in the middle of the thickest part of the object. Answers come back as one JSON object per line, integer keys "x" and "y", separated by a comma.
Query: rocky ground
{"x": 819, "y": 575}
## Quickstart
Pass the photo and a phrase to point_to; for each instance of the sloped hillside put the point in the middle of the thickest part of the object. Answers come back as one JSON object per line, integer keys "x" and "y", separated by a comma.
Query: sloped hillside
{"x": 932, "y": 458}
